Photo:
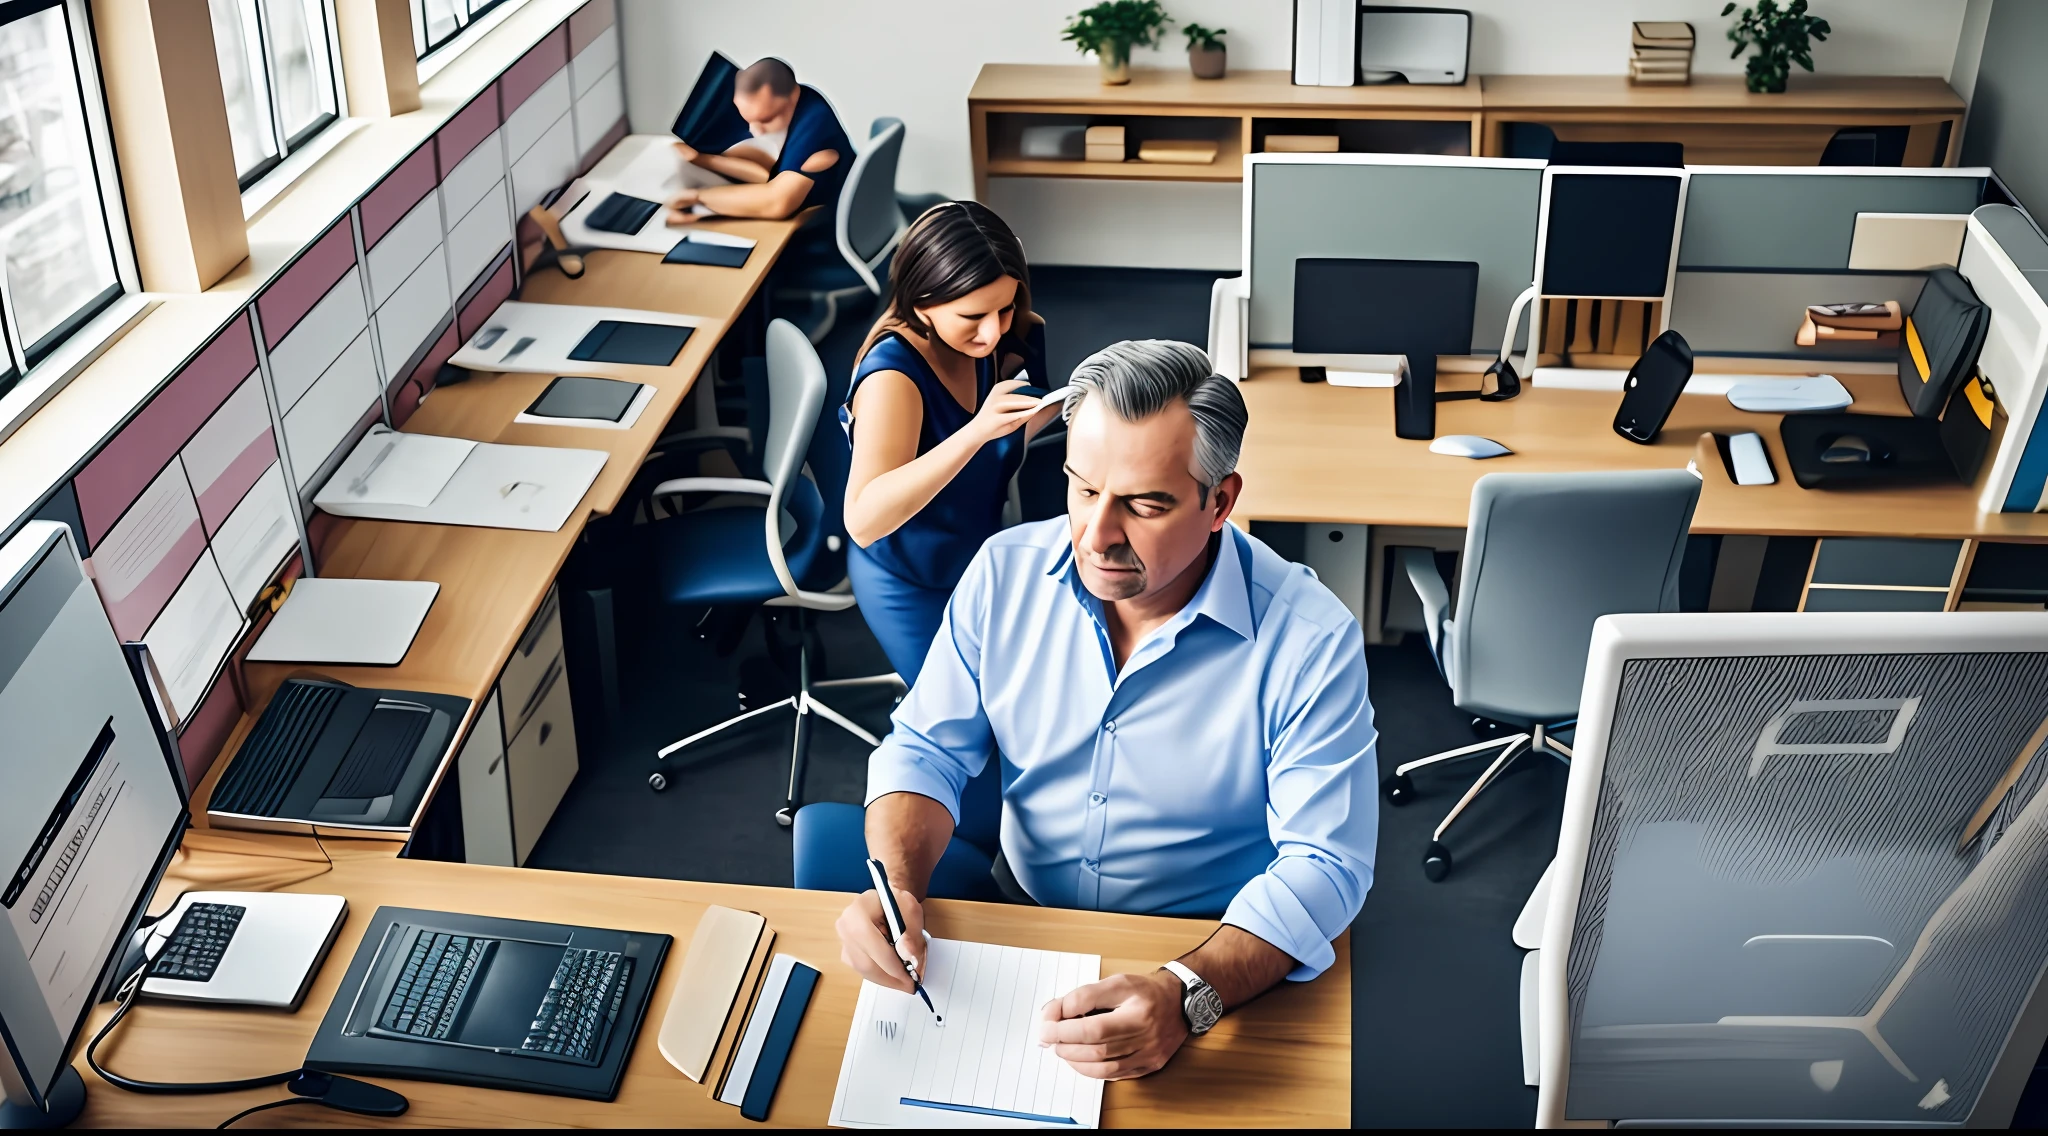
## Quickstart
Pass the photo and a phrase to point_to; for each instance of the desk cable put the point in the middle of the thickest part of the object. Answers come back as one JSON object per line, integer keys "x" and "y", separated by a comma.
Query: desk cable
{"x": 308, "y": 1086}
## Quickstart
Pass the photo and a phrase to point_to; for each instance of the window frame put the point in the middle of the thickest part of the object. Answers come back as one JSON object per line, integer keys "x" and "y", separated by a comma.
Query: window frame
{"x": 475, "y": 21}
{"x": 23, "y": 360}
{"x": 287, "y": 146}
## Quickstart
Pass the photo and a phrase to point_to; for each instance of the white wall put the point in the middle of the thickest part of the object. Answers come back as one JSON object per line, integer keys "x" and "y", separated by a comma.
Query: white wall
{"x": 916, "y": 60}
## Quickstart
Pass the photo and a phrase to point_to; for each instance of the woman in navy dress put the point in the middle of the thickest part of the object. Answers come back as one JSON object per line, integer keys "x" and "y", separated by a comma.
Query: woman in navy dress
{"x": 936, "y": 431}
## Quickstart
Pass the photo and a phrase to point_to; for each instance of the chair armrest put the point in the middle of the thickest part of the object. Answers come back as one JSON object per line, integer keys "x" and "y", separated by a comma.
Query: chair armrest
{"x": 713, "y": 485}
{"x": 1420, "y": 564}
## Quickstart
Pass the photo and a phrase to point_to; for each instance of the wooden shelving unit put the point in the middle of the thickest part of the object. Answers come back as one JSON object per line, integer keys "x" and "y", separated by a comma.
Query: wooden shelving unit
{"x": 1716, "y": 119}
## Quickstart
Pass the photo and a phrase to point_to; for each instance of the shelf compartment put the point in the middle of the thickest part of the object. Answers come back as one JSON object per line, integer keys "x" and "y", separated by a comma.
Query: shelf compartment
{"x": 1005, "y": 134}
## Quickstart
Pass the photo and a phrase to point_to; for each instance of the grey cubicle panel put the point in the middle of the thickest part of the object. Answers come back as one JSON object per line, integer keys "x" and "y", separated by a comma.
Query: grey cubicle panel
{"x": 1388, "y": 206}
{"x": 1803, "y": 874}
{"x": 1794, "y": 217}
{"x": 1732, "y": 312}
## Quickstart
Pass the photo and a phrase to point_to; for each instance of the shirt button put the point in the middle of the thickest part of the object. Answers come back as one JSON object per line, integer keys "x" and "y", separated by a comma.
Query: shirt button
{"x": 1110, "y": 725}
{"x": 1096, "y": 798}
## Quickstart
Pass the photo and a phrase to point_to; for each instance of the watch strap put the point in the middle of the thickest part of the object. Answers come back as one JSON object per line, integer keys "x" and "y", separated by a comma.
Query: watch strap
{"x": 1188, "y": 978}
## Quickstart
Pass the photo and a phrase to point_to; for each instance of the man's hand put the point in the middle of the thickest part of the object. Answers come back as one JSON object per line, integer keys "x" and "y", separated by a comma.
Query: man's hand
{"x": 1141, "y": 1031}
{"x": 686, "y": 152}
{"x": 679, "y": 207}
{"x": 864, "y": 939}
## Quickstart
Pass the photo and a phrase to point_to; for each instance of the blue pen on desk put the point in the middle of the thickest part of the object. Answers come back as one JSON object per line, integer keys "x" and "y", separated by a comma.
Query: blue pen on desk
{"x": 894, "y": 915}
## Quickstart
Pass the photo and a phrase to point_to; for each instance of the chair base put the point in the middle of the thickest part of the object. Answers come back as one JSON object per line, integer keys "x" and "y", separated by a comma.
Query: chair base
{"x": 1399, "y": 788}
{"x": 806, "y": 704}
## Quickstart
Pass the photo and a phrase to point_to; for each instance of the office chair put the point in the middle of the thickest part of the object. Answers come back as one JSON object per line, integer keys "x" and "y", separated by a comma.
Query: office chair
{"x": 1868, "y": 146}
{"x": 1546, "y": 554}
{"x": 787, "y": 551}
{"x": 867, "y": 229}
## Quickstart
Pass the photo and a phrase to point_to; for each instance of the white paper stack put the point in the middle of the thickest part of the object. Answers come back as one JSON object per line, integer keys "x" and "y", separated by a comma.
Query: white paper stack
{"x": 491, "y": 486}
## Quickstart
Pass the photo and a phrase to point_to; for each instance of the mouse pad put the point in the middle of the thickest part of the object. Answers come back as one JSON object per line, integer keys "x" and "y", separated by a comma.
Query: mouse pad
{"x": 576, "y": 396}
{"x": 616, "y": 341}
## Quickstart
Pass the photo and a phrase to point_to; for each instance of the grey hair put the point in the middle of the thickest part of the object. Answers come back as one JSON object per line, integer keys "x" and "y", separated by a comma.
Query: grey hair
{"x": 1141, "y": 377}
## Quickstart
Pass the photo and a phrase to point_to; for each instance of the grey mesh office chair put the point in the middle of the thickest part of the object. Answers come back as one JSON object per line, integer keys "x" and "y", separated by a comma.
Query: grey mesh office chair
{"x": 867, "y": 229}
{"x": 1546, "y": 554}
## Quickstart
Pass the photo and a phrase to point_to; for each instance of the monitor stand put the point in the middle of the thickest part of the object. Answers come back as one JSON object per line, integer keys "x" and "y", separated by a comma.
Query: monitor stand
{"x": 66, "y": 1099}
{"x": 1415, "y": 398}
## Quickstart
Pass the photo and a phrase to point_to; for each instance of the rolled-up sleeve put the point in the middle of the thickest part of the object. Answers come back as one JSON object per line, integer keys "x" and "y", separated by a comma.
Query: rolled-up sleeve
{"x": 1323, "y": 810}
{"x": 941, "y": 736}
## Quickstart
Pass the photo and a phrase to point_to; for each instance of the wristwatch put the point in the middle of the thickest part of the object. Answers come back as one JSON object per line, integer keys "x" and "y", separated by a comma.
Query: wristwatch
{"x": 1199, "y": 1003}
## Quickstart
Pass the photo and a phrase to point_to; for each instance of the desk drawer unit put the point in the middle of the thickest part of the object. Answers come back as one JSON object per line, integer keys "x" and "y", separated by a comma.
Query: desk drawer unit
{"x": 521, "y": 753}
{"x": 1885, "y": 574}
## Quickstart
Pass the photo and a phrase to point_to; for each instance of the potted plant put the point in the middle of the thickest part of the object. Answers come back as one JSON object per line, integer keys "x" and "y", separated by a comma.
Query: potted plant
{"x": 1781, "y": 36}
{"x": 1205, "y": 51}
{"x": 1111, "y": 29}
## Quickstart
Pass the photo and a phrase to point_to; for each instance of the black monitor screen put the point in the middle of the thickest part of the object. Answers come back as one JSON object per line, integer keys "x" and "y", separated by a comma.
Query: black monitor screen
{"x": 1610, "y": 235}
{"x": 1384, "y": 307}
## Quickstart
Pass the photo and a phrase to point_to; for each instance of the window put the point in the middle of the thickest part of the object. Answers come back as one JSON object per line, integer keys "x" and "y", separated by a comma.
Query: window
{"x": 57, "y": 266}
{"x": 277, "y": 68}
{"x": 435, "y": 22}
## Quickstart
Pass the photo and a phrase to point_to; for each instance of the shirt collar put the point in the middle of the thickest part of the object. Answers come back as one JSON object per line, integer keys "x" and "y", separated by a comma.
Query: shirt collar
{"x": 1225, "y": 595}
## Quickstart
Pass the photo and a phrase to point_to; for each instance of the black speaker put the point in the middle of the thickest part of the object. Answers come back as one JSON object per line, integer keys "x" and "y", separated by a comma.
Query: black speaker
{"x": 1653, "y": 387}
{"x": 1415, "y": 399}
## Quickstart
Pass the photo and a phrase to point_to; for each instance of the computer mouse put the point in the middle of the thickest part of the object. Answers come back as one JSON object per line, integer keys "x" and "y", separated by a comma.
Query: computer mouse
{"x": 1468, "y": 446}
{"x": 1849, "y": 449}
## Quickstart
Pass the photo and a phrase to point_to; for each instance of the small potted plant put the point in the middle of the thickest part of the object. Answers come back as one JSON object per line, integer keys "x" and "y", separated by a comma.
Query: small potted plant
{"x": 1781, "y": 36}
{"x": 1111, "y": 29}
{"x": 1205, "y": 51}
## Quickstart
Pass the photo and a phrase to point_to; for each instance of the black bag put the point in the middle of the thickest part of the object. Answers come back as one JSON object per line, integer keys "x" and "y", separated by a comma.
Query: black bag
{"x": 1840, "y": 450}
{"x": 1942, "y": 337}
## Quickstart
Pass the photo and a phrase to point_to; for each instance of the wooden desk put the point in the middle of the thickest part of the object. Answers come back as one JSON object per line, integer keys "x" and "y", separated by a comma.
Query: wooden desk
{"x": 493, "y": 580}
{"x": 1718, "y": 120}
{"x": 1285, "y": 1060}
{"x": 1318, "y": 453}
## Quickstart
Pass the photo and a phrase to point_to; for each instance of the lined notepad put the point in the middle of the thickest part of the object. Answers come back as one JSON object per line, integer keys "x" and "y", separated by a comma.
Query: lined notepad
{"x": 982, "y": 1068}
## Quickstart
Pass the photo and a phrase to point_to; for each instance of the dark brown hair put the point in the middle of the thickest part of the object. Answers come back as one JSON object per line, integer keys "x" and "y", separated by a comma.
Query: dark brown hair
{"x": 951, "y": 250}
{"x": 768, "y": 72}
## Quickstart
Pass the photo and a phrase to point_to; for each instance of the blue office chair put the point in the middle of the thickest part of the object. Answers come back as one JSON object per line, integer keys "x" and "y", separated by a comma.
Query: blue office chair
{"x": 786, "y": 551}
{"x": 866, "y": 231}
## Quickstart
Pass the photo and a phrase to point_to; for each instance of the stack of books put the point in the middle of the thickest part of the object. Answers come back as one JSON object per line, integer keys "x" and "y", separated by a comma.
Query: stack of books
{"x": 1874, "y": 324}
{"x": 1660, "y": 51}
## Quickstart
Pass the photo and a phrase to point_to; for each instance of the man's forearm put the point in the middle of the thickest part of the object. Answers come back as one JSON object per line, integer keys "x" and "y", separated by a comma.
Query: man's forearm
{"x": 737, "y": 168}
{"x": 766, "y": 201}
{"x": 908, "y": 832}
{"x": 1238, "y": 964}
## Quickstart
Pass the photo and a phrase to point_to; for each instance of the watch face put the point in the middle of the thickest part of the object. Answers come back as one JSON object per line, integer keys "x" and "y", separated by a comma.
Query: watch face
{"x": 1204, "y": 1008}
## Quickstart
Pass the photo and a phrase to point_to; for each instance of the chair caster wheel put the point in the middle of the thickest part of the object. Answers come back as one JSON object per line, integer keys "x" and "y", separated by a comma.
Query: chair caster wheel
{"x": 657, "y": 782}
{"x": 1399, "y": 789}
{"x": 1436, "y": 862}
{"x": 785, "y": 817}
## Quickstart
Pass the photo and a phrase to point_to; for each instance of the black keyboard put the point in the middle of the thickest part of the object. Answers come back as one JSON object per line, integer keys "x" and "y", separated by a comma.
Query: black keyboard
{"x": 435, "y": 984}
{"x": 256, "y": 782}
{"x": 621, "y": 213}
{"x": 580, "y": 1005}
{"x": 202, "y": 937}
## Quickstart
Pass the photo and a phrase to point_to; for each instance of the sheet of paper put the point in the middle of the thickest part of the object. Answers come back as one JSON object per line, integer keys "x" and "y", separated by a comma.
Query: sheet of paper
{"x": 537, "y": 338}
{"x": 981, "y": 1067}
{"x": 390, "y": 468}
{"x": 256, "y": 538}
{"x": 193, "y": 635}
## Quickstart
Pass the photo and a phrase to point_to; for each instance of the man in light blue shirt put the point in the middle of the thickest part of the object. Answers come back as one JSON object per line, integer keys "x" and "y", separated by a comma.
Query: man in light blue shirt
{"x": 1181, "y": 715}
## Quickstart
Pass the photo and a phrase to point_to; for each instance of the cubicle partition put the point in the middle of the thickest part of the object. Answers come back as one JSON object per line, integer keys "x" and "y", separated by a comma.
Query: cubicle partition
{"x": 202, "y": 498}
{"x": 1392, "y": 206}
{"x": 2006, "y": 261}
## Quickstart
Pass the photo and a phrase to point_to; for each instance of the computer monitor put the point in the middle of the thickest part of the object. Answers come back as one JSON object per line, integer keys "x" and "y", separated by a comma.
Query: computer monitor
{"x": 91, "y": 810}
{"x": 1802, "y": 875}
{"x": 1609, "y": 235}
{"x": 1417, "y": 308}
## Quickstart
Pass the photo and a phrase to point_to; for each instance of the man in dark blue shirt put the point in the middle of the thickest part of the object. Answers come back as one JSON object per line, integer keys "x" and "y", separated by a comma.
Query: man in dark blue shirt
{"x": 795, "y": 154}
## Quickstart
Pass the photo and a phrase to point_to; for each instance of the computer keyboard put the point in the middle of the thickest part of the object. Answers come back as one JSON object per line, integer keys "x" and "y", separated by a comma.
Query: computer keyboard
{"x": 580, "y": 1005}
{"x": 195, "y": 948}
{"x": 431, "y": 990}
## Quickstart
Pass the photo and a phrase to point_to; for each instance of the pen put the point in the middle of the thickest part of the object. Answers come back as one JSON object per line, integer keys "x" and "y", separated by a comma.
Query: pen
{"x": 894, "y": 916}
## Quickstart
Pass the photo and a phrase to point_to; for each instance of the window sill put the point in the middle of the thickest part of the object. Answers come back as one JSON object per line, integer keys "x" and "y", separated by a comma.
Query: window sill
{"x": 272, "y": 185}
{"x": 53, "y": 374}
{"x": 439, "y": 58}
